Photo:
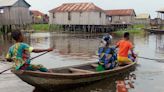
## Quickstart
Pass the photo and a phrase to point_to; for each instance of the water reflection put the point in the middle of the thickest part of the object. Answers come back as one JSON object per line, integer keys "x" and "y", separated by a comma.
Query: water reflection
{"x": 106, "y": 85}
{"x": 4, "y": 45}
{"x": 160, "y": 44}
{"x": 69, "y": 44}
{"x": 125, "y": 84}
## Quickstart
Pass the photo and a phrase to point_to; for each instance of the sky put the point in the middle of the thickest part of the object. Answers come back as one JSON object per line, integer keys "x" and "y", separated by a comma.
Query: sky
{"x": 140, "y": 6}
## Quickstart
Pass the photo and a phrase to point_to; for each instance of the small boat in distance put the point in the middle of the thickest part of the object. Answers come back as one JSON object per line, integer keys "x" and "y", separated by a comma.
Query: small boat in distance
{"x": 156, "y": 26}
{"x": 66, "y": 77}
{"x": 155, "y": 31}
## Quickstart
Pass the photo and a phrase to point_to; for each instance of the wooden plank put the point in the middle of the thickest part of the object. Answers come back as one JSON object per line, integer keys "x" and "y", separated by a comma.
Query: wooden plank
{"x": 80, "y": 70}
{"x": 94, "y": 65}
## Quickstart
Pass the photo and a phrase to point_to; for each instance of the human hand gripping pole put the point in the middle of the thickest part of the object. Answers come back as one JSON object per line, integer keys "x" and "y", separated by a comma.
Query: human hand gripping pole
{"x": 48, "y": 50}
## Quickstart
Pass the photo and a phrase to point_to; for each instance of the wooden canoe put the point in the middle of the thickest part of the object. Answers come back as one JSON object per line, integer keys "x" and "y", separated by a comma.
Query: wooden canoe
{"x": 155, "y": 31}
{"x": 68, "y": 76}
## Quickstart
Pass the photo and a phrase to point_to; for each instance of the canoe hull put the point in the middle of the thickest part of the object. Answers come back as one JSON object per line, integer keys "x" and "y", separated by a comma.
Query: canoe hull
{"x": 56, "y": 80}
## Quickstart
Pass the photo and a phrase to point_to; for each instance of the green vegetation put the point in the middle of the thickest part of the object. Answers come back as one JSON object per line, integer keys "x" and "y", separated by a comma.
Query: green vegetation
{"x": 45, "y": 27}
{"x": 40, "y": 27}
{"x": 136, "y": 29}
{"x": 139, "y": 26}
{"x": 55, "y": 27}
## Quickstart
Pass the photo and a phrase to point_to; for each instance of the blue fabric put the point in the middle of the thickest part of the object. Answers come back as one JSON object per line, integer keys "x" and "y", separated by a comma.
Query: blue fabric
{"x": 103, "y": 54}
{"x": 100, "y": 50}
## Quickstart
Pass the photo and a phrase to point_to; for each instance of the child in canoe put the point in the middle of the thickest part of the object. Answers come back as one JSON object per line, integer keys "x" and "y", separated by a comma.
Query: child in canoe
{"x": 107, "y": 55}
{"x": 124, "y": 46}
{"x": 19, "y": 53}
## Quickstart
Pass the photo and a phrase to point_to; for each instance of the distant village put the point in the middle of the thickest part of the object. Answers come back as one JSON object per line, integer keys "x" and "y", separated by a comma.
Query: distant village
{"x": 87, "y": 17}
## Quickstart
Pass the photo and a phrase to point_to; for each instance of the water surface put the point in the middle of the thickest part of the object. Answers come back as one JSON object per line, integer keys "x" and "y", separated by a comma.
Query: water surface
{"x": 74, "y": 49}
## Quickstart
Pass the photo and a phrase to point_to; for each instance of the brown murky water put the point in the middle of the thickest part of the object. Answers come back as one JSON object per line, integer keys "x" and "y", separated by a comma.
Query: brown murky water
{"x": 74, "y": 49}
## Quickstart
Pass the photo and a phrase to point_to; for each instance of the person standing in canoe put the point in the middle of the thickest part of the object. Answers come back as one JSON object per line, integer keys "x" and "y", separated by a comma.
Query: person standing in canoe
{"x": 124, "y": 46}
{"x": 107, "y": 55}
{"x": 19, "y": 53}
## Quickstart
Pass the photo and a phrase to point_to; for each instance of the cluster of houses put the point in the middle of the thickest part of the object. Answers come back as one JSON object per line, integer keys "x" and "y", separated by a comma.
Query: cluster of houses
{"x": 87, "y": 16}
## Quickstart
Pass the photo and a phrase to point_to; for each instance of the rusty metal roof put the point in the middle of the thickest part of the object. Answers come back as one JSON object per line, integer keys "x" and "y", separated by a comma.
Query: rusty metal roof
{"x": 76, "y": 7}
{"x": 37, "y": 13}
{"x": 120, "y": 12}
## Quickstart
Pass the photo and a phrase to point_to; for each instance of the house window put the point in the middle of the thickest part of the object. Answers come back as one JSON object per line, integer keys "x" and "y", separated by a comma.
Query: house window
{"x": 54, "y": 15}
{"x": 100, "y": 14}
{"x": 1, "y": 11}
{"x": 69, "y": 15}
{"x": 110, "y": 19}
{"x": 80, "y": 14}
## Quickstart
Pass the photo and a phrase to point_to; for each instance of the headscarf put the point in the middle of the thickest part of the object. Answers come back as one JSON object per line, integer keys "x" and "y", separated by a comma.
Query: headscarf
{"x": 106, "y": 39}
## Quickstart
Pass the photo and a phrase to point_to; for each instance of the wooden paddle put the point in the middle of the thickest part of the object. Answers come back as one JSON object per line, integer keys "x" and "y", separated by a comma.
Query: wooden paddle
{"x": 30, "y": 59}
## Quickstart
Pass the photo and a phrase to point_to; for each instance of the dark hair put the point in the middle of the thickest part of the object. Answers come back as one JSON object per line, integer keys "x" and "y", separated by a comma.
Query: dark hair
{"x": 16, "y": 35}
{"x": 126, "y": 35}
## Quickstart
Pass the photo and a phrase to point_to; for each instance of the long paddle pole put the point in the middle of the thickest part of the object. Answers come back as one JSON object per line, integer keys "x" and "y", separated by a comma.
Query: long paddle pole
{"x": 30, "y": 59}
{"x": 159, "y": 60}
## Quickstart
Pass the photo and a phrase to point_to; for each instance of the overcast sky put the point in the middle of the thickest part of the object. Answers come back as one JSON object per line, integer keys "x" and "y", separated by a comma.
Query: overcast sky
{"x": 140, "y": 6}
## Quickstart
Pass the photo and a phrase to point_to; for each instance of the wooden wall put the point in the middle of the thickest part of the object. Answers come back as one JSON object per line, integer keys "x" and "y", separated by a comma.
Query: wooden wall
{"x": 78, "y": 18}
{"x": 15, "y": 16}
{"x": 123, "y": 19}
{"x": 142, "y": 21}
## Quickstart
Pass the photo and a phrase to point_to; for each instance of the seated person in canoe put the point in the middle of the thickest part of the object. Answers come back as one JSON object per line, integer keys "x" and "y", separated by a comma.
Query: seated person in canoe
{"x": 19, "y": 53}
{"x": 107, "y": 55}
{"x": 124, "y": 46}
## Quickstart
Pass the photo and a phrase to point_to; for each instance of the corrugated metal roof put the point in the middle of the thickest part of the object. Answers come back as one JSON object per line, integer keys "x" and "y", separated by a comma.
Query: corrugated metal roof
{"x": 120, "y": 12}
{"x": 4, "y": 3}
{"x": 69, "y": 7}
{"x": 161, "y": 10}
{"x": 7, "y": 2}
{"x": 143, "y": 16}
{"x": 37, "y": 13}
